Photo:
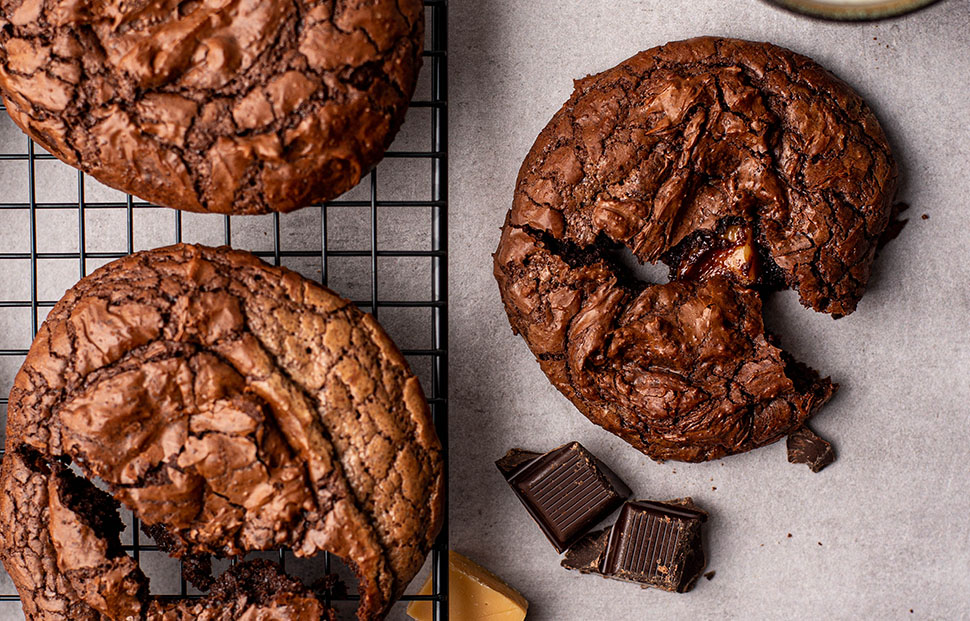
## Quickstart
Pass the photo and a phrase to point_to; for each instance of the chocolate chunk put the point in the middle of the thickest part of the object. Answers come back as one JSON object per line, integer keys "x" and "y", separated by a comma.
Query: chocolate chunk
{"x": 730, "y": 253}
{"x": 515, "y": 459}
{"x": 654, "y": 544}
{"x": 804, "y": 447}
{"x": 586, "y": 555}
{"x": 566, "y": 491}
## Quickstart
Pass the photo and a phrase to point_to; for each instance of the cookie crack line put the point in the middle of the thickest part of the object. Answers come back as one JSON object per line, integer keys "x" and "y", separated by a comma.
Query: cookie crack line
{"x": 198, "y": 384}
{"x": 240, "y": 107}
{"x": 395, "y": 366}
{"x": 743, "y": 166}
{"x": 318, "y": 426}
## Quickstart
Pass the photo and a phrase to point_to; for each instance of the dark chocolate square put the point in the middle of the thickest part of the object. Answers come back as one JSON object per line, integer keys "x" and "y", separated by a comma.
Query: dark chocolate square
{"x": 656, "y": 544}
{"x": 567, "y": 491}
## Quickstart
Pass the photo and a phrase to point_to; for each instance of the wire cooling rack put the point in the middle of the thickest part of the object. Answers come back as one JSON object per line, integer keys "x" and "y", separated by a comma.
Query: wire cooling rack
{"x": 383, "y": 244}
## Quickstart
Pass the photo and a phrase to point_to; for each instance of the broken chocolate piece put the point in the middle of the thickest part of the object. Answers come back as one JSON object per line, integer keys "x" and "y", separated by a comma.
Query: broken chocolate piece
{"x": 586, "y": 555}
{"x": 566, "y": 491}
{"x": 654, "y": 544}
{"x": 515, "y": 459}
{"x": 804, "y": 447}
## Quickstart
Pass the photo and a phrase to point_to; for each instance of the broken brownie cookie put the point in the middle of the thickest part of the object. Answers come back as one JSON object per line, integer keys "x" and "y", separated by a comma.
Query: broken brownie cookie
{"x": 233, "y": 407}
{"x": 745, "y": 168}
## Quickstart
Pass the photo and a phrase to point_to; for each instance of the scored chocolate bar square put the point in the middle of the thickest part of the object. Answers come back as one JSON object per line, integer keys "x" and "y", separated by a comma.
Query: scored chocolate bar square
{"x": 654, "y": 544}
{"x": 567, "y": 491}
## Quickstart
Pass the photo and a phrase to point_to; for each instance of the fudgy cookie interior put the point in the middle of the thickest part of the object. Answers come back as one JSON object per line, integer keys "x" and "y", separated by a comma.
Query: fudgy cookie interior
{"x": 253, "y": 584}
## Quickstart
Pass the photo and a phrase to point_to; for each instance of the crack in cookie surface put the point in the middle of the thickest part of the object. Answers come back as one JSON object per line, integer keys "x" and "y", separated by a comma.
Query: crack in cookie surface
{"x": 229, "y": 106}
{"x": 233, "y": 407}
{"x": 745, "y": 167}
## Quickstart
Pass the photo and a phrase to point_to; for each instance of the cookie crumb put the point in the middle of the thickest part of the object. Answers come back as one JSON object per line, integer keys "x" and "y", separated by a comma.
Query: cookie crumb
{"x": 713, "y": 489}
{"x": 710, "y": 576}
{"x": 925, "y": 216}
{"x": 819, "y": 543}
{"x": 789, "y": 535}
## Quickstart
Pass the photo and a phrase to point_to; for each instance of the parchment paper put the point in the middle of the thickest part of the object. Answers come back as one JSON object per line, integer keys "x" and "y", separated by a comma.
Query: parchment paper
{"x": 883, "y": 530}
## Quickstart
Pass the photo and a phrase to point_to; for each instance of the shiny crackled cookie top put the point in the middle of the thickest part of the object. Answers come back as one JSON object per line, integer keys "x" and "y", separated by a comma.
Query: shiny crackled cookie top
{"x": 233, "y": 407}
{"x": 231, "y": 106}
{"x": 693, "y": 136}
{"x": 742, "y": 166}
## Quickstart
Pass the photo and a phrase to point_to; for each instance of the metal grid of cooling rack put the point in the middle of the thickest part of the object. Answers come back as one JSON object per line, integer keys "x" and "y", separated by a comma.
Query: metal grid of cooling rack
{"x": 433, "y": 358}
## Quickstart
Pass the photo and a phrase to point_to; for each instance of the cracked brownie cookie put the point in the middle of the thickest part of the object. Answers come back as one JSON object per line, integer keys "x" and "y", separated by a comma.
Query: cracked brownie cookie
{"x": 229, "y": 106}
{"x": 742, "y": 166}
{"x": 234, "y": 407}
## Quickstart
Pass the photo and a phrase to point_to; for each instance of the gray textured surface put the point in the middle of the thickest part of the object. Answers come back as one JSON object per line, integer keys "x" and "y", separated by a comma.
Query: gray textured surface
{"x": 891, "y": 513}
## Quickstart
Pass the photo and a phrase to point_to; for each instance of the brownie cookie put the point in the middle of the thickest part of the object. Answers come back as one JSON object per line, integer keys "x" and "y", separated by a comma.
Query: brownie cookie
{"x": 228, "y": 106}
{"x": 742, "y": 166}
{"x": 233, "y": 406}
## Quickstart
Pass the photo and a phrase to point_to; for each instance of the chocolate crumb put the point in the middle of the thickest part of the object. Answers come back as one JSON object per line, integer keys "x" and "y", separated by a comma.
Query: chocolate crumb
{"x": 925, "y": 216}
{"x": 710, "y": 576}
{"x": 789, "y": 535}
